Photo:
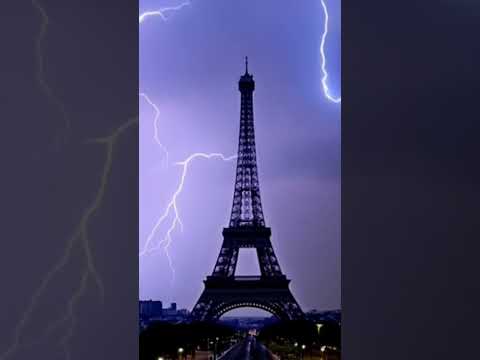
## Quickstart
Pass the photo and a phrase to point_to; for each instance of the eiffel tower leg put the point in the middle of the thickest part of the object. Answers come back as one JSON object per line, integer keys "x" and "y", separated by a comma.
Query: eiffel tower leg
{"x": 226, "y": 262}
{"x": 268, "y": 261}
{"x": 204, "y": 307}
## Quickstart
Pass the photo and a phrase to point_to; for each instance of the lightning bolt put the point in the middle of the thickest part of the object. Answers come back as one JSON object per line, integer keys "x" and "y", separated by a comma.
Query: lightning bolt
{"x": 80, "y": 235}
{"x": 161, "y": 12}
{"x": 70, "y": 315}
{"x": 40, "y": 75}
{"x": 172, "y": 207}
{"x": 326, "y": 89}
{"x": 155, "y": 125}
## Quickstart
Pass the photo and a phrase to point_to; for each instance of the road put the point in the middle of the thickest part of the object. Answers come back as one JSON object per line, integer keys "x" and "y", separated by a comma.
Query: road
{"x": 248, "y": 349}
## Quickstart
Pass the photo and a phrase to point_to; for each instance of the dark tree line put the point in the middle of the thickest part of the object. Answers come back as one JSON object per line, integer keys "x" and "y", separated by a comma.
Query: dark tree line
{"x": 163, "y": 339}
{"x": 302, "y": 332}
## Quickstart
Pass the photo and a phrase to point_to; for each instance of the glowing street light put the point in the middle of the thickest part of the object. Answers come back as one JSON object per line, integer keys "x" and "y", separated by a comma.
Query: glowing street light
{"x": 180, "y": 352}
{"x": 323, "y": 350}
{"x": 303, "y": 348}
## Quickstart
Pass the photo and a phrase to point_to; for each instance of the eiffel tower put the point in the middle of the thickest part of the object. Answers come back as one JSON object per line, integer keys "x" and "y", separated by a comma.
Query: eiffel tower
{"x": 223, "y": 290}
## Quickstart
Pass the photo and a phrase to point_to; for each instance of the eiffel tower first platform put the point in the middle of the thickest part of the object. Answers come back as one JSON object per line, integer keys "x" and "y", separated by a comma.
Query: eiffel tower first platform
{"x": 223, "y": 290}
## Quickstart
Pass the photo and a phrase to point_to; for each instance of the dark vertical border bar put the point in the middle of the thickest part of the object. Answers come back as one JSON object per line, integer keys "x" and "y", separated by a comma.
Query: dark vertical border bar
{"x": 410, "y": 179}
{"x": 69, "y": 194}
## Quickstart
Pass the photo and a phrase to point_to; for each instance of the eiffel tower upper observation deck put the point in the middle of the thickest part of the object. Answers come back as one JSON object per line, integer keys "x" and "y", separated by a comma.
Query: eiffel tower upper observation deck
{"x": 223, "y": 290}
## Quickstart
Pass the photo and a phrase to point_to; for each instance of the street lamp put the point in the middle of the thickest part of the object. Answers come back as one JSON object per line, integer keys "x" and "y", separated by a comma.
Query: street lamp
{"x": 322, "y": 349}
{"x": 319, "y": 326}
{"x": 215, "y": 349}
{"x": 295, "y": 345}
{"x": 180, "y": 352}
{"x": 303, "y": 349}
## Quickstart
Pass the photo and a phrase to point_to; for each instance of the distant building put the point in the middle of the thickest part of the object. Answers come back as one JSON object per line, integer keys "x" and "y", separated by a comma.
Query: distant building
{"x": 332, "y": 316}
{"x": 153, "y": 310}
{"x": 171, "y": 311}
{"x": 183, "y": 312}
{"x": 150, "y": 308}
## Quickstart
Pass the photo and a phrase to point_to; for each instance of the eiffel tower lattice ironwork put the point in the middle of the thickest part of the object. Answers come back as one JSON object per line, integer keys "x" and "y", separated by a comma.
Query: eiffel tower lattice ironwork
{"x": 223, "y": 290}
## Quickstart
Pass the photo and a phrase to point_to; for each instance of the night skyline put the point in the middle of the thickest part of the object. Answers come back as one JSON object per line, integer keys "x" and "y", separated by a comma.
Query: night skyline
{"x": 298, "y": 142}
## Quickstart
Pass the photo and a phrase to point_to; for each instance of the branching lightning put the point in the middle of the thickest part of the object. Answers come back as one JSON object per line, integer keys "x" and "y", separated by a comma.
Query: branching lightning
{"x": 161, "y": 12}
{"x": 80, "y": 235}
{"x": 326, "y": 89}
{"x": 172, "y": 208}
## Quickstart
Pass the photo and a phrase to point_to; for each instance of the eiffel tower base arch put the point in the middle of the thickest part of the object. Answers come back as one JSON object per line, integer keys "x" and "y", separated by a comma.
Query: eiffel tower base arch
{"x": 222, "y": 295}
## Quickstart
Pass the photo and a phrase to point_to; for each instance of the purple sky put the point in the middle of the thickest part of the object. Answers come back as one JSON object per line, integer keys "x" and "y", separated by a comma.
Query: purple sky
{"x": 190, "y": 67}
